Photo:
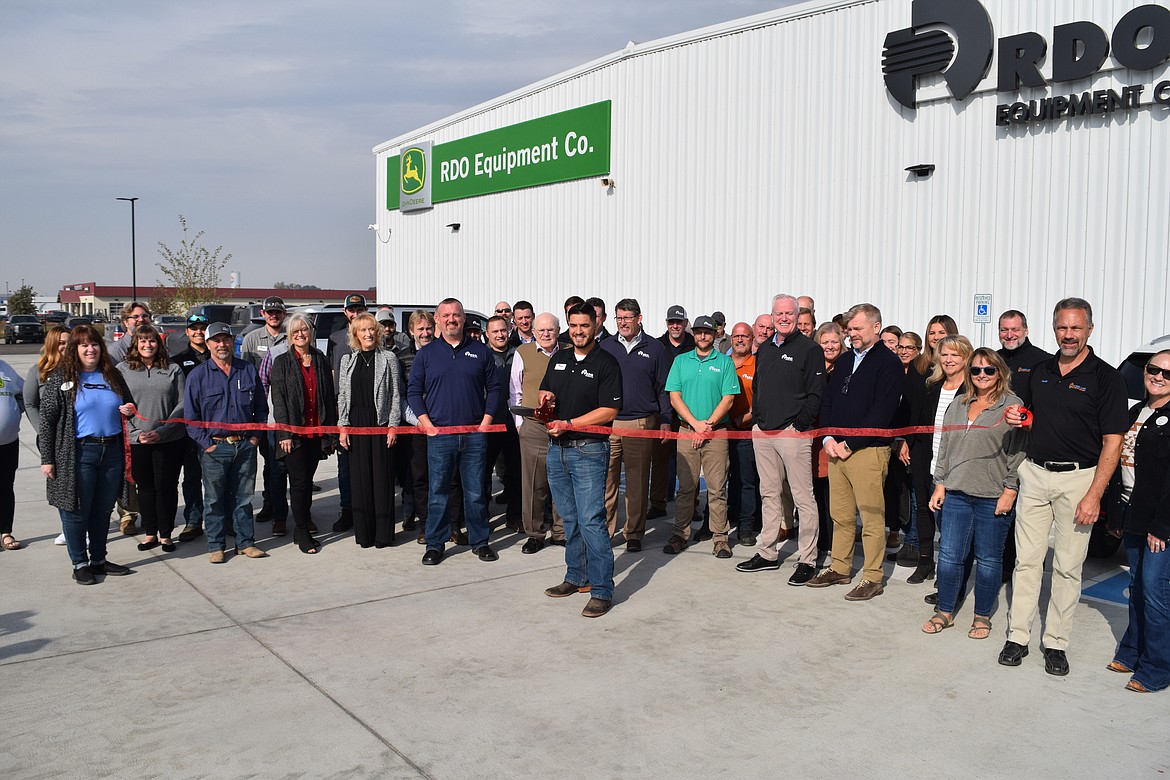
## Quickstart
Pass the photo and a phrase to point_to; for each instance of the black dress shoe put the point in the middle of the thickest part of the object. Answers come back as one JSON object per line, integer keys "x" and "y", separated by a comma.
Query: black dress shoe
{"x": 655, "y": 513}
{"x": 1055, "y": 662}
{"x": 931, "y": 598}
{"x": 486, "y": 553}
{"x": 408, "y": 524}
{"x": 432, "y": 557}
{"x": 804, "y": 572}
{"x": 84, "y": 576}
{"x": 633, "y": 545}
{"x": 557, "y": 542}
{"x": 111, "y": 569}
{"x": 344, "y": 521}
{"x": 533, "y": 545}
{"x": 908, "y": 555}
{"x": 757, "y": 563}
{"x": 1013, "y": 653}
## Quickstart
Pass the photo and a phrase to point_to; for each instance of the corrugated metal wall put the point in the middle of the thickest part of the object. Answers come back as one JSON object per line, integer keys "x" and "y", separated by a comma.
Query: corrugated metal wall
{"x": 771, "y": 159}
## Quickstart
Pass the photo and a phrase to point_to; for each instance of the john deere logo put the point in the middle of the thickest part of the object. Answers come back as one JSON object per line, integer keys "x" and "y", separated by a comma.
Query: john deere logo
{"x": 414, "y": 170}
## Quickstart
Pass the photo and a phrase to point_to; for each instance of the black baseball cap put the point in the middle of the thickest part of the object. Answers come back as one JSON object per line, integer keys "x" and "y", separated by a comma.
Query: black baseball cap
{"x": 720, "y": 318}
{"x": 272, "y": 303}
{"x": 355, "y": 300}
{"x": 703, "y": 323}
{"x": 196, "y": 320}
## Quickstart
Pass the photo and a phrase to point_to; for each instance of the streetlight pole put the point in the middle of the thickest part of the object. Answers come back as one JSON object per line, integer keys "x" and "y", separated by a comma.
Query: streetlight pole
{"x": 133, "y": 258}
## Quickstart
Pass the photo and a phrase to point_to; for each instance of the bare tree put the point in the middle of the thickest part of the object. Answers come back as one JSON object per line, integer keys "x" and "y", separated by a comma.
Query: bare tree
{"x": 162, "y": 301}
{"x": 193, "y": 269}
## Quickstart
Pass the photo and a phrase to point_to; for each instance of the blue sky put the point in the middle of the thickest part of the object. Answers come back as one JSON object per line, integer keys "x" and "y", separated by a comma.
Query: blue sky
{"x": 255, "y": 120}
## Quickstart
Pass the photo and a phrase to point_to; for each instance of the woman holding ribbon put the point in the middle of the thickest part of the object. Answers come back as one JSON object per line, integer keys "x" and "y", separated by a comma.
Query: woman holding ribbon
{"x": 975, "y": 488}
{"x": 302, "y": 395}
{"x": 368, "y": 398}
{"x": 1142, "y": 499}
{"x": 82, "y": 406}
{"x": 156, "y": 447}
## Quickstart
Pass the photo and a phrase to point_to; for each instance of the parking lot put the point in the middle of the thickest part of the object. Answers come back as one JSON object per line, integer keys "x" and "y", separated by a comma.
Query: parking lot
{"x": 365, "y": 663}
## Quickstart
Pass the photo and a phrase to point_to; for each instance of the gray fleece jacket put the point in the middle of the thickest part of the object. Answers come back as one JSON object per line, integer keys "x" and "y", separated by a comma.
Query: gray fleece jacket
{"x": 981, "y": 459}
{"x": 158, "y": 394}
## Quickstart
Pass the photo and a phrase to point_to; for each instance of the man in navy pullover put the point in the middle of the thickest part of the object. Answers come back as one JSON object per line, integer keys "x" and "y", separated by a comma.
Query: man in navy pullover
{"x": 864, "y": 390}
{"x": 454, "y": 381}
{"x": 645, "y": 406}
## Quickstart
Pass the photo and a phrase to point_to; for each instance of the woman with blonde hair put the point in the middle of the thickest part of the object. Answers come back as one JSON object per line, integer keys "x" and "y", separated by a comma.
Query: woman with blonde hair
{"x": 368, "y": 397}
{"x": 52, "y": 350}
{"x": 302, "y": 395}
{"x": 928, "y": 401}
{"x": 975, "y": 489}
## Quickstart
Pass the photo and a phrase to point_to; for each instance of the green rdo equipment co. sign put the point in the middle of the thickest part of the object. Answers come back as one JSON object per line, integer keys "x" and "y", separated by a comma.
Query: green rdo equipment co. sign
{"x": 573, "y": 144}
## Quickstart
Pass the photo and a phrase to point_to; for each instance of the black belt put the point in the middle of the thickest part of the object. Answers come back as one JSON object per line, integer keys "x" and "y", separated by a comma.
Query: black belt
{"x": 102, "y": 439}
{"x": 1061, "y": 466}
{"x": 562, "y": 442}
{"x": 229, "y": 439}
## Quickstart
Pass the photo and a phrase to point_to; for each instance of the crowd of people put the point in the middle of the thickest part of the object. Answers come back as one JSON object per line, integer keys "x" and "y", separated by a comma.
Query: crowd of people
{"x": 826, "y": 433}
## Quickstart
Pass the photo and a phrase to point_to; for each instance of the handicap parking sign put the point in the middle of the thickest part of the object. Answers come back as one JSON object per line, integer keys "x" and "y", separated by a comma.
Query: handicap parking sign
{"x": 982, "y": 308}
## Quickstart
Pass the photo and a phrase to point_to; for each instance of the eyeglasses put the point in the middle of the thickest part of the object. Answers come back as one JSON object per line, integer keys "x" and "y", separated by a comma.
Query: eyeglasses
{"x": 620, "y": 318}
{"x": 985, "y": 370}
{"x": 503, "y": 311}
{"x": 908, "y": 348}
{"x": 1153, "y": 370}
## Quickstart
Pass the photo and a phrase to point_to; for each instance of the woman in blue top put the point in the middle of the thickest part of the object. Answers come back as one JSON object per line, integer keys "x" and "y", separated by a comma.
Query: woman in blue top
{"x": 82, "y": 406}
{"x": 11, "y": 402}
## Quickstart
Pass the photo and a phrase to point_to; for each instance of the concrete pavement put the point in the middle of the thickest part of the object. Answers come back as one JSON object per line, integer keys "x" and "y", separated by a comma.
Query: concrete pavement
{"x": 363, "y": 663}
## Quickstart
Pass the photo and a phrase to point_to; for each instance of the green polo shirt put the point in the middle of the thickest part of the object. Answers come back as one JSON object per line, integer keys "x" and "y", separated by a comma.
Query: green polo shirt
{"x": 703, "y": 381}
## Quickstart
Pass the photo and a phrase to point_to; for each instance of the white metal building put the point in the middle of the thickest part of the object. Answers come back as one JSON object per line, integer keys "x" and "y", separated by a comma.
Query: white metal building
{"x": 767, "y": 155}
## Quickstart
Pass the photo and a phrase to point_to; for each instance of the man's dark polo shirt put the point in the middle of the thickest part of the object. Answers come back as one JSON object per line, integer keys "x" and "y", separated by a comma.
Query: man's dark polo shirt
{"x": 583, "y": 385}
{"x": 1072, "y": 412}
{"x": 1021, "y": 361}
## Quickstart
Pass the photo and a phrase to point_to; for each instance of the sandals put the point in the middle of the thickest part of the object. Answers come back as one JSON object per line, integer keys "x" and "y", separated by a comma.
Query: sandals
{"x": 937, "y": 624}
{"x": 10, "y": 542}
{"x": 980, "y": 628}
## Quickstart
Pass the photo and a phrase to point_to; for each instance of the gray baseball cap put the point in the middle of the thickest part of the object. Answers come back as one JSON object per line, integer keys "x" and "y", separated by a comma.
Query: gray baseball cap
{"x": 676, "y": 313}
{"x": 219, "y": 329}
{"x": 703, "y": 323}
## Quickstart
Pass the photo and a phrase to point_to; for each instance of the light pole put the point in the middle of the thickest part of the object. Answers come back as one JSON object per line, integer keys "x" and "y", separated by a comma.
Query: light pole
{"x": 133, "y": 259}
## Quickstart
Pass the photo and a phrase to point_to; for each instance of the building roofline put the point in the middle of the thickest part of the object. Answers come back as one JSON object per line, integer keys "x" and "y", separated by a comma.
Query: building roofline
{"x": 765, "y": 19}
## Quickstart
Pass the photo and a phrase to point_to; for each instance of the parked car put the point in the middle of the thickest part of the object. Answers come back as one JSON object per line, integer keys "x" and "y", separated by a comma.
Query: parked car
{"x": 1103, "y": 544}
{"x": 55, "y": 316}
{"x": 214, "y": 312}
{"x": 23, "y": 327}
{"x": 169, "y": 326}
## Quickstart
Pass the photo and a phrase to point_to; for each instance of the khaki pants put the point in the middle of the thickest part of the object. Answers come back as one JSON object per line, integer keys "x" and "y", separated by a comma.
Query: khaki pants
{"x": 783, "y": 461}
{"x": 1048, "y": 502}
{"x": 857, "y": 485}
{"x": 534, "y": 482}
{"x": 711, "y": 459}
{"x": 637, "y": 453}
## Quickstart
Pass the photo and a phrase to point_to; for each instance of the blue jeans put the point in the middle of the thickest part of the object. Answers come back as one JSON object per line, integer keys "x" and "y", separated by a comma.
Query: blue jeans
{"x": 275, "y": 474}
{"x": 1145, "y": 647}
{"x": 576, "y": 479}
{"x": 192, "y": 485}
{"x": 962, "y": 518}
{"x": 469, "y": 450}
{"x": 743, "y": 485}
{"x": 229, "y": 482}
{"x": 100, "y": 468}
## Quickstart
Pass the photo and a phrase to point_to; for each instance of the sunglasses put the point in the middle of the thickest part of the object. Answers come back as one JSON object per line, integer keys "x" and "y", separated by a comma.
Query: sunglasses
{"x": 503, "y": 311}
{"x": 984, "y": 370}
{"x": 1153, "y": 370}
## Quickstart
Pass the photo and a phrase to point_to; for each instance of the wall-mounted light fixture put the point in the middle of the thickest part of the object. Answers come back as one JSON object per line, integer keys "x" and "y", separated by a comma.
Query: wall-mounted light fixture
{"x": 454, "y": 227}
{"x": 922, "y": 170}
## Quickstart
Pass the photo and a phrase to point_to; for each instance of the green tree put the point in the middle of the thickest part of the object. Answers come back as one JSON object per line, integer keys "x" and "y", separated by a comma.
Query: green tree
{"x": 193, "y": 269}
{"x": 21, "y": 301}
